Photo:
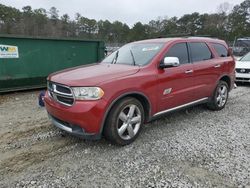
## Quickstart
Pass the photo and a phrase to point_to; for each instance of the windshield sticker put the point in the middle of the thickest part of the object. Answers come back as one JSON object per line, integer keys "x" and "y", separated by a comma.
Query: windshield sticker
{"x": 7, "y": 51}
{"x": 152, "y": 48}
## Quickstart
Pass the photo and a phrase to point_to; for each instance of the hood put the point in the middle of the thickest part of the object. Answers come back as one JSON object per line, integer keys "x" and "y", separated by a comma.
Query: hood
{"x": 242, "y": 64}
{"x": 92, "y": 75}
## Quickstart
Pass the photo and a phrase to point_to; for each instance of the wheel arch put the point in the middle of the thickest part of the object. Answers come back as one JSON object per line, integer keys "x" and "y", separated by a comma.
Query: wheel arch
{"x": 226, "y": 79}
{"x": 144, "y": 100}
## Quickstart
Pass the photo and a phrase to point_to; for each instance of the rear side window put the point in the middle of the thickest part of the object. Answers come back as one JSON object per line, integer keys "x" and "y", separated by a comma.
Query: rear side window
{"x": 199, "y": 51}
{"x": 179, "y": 50}
{"x": 221, "y": 50}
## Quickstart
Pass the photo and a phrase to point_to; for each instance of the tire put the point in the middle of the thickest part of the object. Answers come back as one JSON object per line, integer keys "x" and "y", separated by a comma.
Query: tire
{"x": 124, "y": 121}
{"x": 220, "y": 96}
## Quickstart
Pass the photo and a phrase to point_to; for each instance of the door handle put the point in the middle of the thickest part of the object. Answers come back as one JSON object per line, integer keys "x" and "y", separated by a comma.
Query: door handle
{"x": 217, "y": 66}
{"x": 189, "y": 71}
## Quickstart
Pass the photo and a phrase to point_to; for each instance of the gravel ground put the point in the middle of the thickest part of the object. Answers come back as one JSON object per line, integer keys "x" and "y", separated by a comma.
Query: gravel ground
{"x": 192, "y": 148}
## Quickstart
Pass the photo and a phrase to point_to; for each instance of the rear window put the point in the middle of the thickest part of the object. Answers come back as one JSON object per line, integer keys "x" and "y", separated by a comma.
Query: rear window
{"x": 199, "y": 51}
{"x": 221, "y": 50}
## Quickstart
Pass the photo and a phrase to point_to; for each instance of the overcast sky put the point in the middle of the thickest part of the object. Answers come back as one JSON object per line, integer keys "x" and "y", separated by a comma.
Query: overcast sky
{"x": 127, "y": 11}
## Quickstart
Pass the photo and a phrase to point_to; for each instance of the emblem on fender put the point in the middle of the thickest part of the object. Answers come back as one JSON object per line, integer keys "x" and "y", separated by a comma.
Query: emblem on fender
{"x": 167, "y": 91}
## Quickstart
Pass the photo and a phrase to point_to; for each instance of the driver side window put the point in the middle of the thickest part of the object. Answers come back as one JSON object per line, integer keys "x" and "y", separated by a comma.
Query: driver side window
{"x": 179, "y": 50}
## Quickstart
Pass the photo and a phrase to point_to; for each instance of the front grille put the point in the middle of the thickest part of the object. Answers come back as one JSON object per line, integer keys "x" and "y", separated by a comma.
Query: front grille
{"x": 65, "y": 99}
{"x": 242, "y": 79}
{"x": 243, "y": 71}
{"x": 63, "y": 89}
{"x": 60, "y": 93}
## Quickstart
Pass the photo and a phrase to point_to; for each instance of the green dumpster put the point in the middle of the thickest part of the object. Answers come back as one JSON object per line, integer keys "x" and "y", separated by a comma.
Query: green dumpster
{"x": 25, "y": 62}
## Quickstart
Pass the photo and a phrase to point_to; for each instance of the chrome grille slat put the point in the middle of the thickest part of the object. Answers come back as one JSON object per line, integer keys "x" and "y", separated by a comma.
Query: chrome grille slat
{"x": 63, "y": 89}
{"x": 66, "y": 99}
{"x": 63, "y": 94}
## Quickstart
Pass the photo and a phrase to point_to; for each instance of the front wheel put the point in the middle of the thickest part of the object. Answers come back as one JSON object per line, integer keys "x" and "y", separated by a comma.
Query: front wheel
{"x": 124, "y": 121}
{"x": 219, "y": 99}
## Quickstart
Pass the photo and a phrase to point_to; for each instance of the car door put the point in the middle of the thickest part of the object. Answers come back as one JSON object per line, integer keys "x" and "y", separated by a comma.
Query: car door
{"x": 175, "y": 84}
{"x": 207, "y": 69}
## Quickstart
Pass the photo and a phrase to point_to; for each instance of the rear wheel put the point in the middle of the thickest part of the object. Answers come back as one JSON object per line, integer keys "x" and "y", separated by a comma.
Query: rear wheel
{"x": 220, "y": 97}
{"x": 124, "y": 121}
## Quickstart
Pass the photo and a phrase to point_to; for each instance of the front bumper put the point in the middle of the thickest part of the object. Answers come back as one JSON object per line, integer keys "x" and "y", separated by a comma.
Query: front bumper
{"x": 73, "y": 129}
{"x": 84, "y": 118}
{"x": 242, "y": 77}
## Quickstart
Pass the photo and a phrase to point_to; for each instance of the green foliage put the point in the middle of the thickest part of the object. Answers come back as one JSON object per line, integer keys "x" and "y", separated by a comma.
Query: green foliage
{"x": 225, "y": 24}
{"x": 239, "y": 20}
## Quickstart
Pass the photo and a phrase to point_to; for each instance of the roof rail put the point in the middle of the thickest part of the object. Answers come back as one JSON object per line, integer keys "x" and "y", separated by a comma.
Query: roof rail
{"x": 187, "y": 35}
{"x": 175, "y": 35}
{"x": 203, "y": 37}
{"x": 243, "y": 38}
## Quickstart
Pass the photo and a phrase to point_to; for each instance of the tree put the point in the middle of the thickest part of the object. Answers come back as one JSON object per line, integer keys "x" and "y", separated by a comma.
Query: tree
{"x": 27, "y": 23}
{"x": 86, "y": 27}
{"x": 171, "y": 27}
{"x": 225, "y": 8}
{"x": 9, "y": 17}
{"x": 239, "y": 20}
{"x": 65, "y": 19}
{"x": 138, "y": 32}
{"x": 53, "y": 13}
{"x": 190, "y": 23}
{"x": 227, "y": 24}
{"x": 41, "y": 21}
{"x": 104, "y": 30}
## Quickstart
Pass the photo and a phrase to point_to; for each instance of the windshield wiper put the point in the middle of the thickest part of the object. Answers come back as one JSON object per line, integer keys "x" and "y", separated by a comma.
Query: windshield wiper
{"x": 116, "y": 57}
{"x": 133, "y": 57}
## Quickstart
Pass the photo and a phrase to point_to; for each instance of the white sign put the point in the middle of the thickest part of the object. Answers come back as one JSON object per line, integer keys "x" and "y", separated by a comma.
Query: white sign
{"x": 7, "y": 51}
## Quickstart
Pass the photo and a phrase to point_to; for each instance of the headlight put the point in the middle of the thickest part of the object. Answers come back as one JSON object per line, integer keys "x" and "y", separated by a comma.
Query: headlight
{"x": 88, "y": 93}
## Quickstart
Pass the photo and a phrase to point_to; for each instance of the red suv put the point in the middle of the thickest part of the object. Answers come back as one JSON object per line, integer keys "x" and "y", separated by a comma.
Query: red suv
{"x": 137, "y": 83}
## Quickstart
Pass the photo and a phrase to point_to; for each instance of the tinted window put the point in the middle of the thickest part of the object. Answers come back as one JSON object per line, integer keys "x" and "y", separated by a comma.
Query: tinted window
{"x": 200, "y": 51}
{"x": 221, "y": 50}
{"x": 180, "y": 51}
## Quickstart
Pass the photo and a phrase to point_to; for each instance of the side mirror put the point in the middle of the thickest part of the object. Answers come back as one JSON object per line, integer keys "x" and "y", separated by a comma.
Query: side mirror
{"x": 170, "y": 62}
{"x": 230, "y": 51}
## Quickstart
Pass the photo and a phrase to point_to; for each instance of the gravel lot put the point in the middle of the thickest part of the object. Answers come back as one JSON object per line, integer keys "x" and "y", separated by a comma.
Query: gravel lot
{"x": 192, "y": 148}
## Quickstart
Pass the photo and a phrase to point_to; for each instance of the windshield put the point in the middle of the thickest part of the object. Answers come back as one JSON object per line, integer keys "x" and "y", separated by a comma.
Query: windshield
{"x": 241, "y": 47}
{"x": 134, "y": 54}
{"x": 243, "y": 42}
{"x": 246, "y": 57}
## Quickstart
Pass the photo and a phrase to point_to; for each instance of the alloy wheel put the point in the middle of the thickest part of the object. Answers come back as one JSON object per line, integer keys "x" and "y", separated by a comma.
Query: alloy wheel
{"x": 222, "y": 95}
{"x": 129, "y": 121}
